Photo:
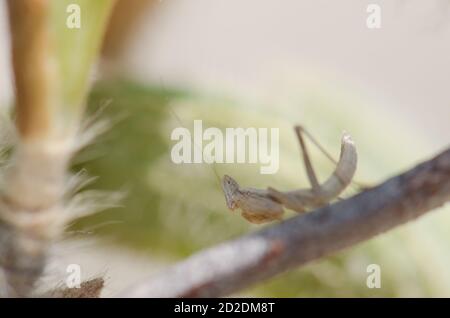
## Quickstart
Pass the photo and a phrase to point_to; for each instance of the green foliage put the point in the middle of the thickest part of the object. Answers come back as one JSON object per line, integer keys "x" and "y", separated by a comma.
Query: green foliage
{"x": 77, "y": 49}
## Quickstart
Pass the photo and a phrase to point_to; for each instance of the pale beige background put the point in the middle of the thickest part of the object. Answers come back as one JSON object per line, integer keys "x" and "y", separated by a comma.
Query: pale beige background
{"x": 239, "y": 44}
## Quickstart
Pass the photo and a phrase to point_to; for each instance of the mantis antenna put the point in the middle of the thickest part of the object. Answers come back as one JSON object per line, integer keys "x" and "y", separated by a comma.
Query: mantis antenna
{"x": 180, "y": 122}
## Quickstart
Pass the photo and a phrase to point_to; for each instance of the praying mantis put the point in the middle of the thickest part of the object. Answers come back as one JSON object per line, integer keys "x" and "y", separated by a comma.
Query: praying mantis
{"x": 266, "y": 205}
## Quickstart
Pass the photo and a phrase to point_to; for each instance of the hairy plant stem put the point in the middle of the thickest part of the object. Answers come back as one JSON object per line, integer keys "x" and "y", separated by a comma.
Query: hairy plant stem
{"x": 31, "y": 212}
{"x": 33, "y": 209}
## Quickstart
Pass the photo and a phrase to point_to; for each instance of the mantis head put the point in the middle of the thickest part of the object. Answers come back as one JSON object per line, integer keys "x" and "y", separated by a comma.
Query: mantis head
{"x": 231, "y": 190}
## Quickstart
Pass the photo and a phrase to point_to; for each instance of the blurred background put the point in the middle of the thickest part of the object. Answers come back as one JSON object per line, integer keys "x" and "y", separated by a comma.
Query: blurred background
{"x": 261, "y": 63}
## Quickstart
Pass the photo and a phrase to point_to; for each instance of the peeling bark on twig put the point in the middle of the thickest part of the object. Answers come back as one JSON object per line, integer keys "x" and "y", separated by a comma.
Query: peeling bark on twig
{"x": 235, "y": 265}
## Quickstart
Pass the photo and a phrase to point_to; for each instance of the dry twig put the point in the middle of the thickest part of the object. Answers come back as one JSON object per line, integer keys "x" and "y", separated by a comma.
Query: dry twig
{"x": 235, "y": 265}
